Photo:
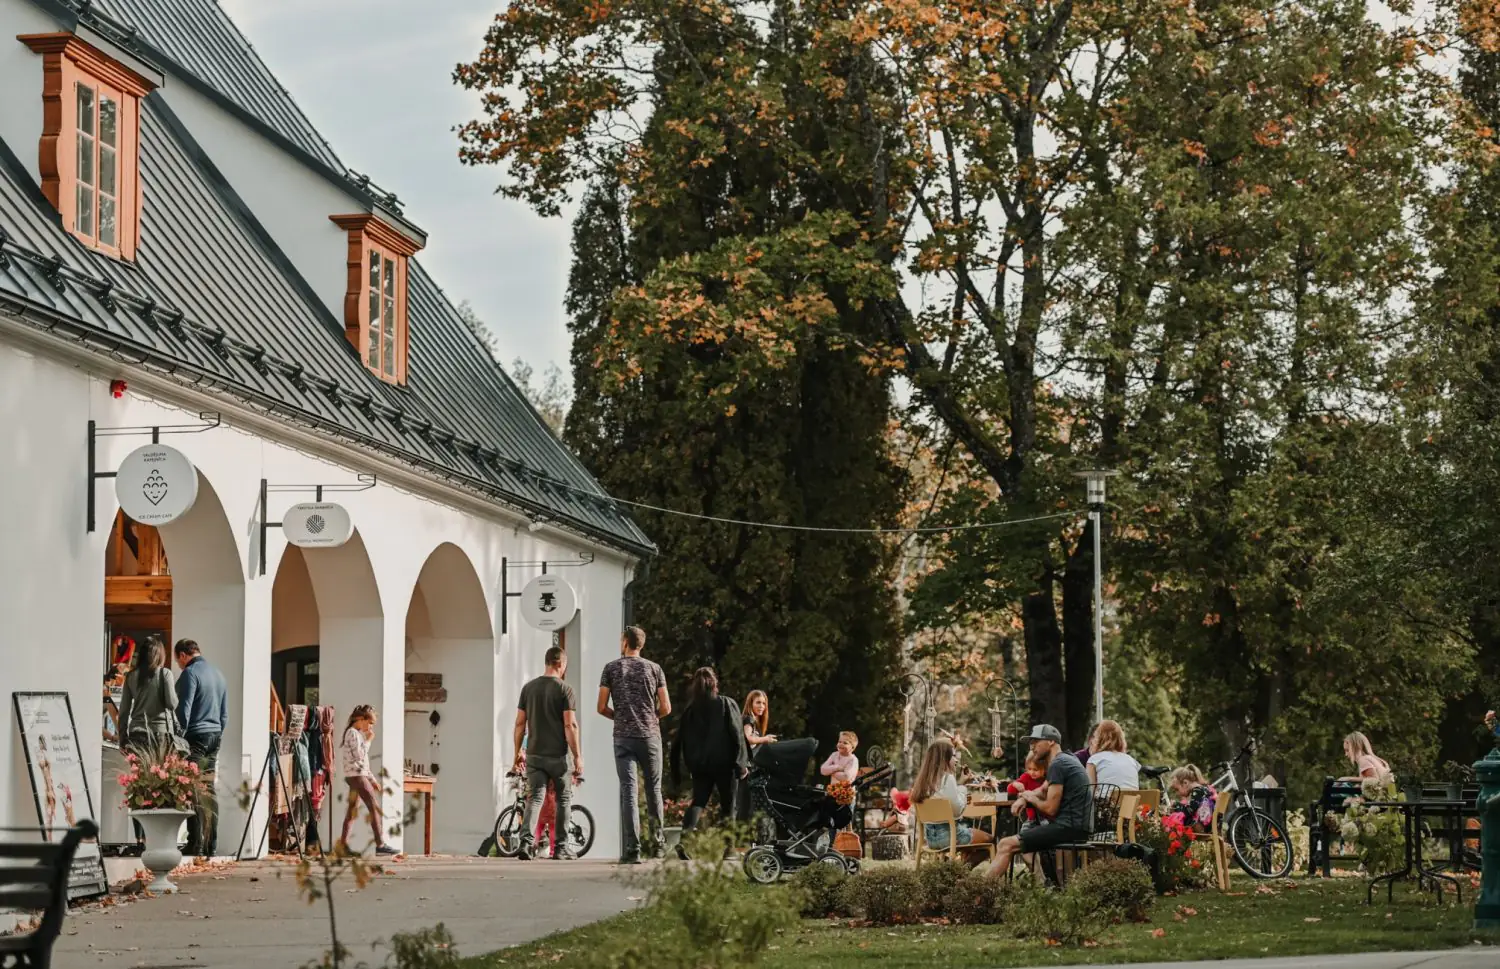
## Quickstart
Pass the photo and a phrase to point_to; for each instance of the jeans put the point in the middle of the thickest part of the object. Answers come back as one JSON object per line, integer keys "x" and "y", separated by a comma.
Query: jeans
{"x": 540, "y": 772}
{"x": 704, "y": 785}
{"x": 203, "y": 826}
{"x": 643, "y": 753}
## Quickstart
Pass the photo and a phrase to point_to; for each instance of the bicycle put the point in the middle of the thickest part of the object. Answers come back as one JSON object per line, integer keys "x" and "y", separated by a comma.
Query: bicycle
{"x": 510, "y": 826}
{"x": 1261, "y": 845}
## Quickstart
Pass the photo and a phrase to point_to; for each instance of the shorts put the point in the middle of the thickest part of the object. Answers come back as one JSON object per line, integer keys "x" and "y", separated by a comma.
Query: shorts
{"x": 937, "y": 835}
{"x": 1048, "y": 836}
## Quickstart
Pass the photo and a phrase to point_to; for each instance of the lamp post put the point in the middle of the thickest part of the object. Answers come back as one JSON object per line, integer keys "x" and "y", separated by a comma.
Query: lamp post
{"x": 1095, "y": 481}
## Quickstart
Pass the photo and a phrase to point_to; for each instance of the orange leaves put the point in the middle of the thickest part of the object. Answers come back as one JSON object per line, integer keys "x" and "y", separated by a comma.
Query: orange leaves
{"x": 1196, "y": 149}
{"x": 1271, "y": 135}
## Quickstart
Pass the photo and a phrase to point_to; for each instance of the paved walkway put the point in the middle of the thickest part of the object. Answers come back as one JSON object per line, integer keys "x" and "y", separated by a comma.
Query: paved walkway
{"x": 1476, "y": 957}
{"x": 246, "y": 917}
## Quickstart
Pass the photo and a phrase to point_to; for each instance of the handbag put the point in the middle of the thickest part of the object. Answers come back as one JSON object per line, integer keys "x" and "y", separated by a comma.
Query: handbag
{"x": 180, "y": 745}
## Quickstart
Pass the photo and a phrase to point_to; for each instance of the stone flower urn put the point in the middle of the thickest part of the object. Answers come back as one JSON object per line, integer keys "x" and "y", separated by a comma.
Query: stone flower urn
{"x": 162, "y": 825}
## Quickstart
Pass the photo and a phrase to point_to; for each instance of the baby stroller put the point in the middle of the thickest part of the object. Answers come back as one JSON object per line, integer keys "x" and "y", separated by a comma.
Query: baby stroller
{"x": 796, "y": 820}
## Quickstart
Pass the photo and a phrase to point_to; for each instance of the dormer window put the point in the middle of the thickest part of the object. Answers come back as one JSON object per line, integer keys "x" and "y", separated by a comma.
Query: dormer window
{"x": 375, "y": 304}
{"x": 90, "y": 141}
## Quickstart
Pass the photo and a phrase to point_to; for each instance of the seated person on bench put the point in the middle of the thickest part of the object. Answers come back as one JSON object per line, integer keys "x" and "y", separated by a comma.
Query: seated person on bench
{"x": 1067, "y": 800}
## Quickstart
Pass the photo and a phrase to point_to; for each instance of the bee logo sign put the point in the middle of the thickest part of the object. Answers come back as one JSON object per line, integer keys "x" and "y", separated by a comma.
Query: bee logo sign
{"x": 156, "y": 484}
{"x": 548, "y": 602}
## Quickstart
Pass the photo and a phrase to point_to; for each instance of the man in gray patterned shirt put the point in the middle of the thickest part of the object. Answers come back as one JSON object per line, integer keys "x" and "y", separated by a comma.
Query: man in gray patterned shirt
{"x": 633, "y": 693}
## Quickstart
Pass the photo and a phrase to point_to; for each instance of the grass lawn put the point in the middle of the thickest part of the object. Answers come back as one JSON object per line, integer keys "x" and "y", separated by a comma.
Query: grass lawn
{"x": 1300, "y": 917}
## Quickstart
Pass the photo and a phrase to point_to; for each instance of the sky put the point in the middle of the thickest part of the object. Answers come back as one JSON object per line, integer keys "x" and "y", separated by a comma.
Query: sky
{"x": 375, "y": 77}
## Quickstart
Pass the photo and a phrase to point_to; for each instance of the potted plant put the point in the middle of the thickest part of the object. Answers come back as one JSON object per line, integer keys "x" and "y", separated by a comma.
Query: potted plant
{"x": 673, "y": 814}
{"x": 160, "y": 792}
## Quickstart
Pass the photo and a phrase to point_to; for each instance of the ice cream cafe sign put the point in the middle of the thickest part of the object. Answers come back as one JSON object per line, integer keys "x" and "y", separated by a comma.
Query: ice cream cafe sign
{"x": 156, "y": 484}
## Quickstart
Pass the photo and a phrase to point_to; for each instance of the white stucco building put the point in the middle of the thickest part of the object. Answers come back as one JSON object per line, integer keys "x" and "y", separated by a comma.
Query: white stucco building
{"x": 168, "y": 218}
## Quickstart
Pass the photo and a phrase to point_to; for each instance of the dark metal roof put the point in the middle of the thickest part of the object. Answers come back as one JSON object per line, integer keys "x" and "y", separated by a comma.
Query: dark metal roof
{"x": 212, "y": 300}
{"x": 197, "y": 40}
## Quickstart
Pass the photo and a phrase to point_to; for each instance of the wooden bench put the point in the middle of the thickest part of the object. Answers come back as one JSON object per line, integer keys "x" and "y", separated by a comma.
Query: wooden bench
{"x": 34, "y": 877}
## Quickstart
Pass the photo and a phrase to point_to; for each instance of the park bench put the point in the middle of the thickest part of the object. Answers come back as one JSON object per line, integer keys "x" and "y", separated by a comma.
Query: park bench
{"x": 34, "y": 878}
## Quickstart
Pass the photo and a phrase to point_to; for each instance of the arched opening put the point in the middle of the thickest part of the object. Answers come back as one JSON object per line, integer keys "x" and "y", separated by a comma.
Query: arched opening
{"x": 183, "y": 580}
{"x": 327, "y": 650}
{"x": 450, "y": 699}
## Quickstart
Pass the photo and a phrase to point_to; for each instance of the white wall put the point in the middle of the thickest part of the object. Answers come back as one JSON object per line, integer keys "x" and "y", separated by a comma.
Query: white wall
{"x": 52, "y": 593}
{"x": 21, "y": 82}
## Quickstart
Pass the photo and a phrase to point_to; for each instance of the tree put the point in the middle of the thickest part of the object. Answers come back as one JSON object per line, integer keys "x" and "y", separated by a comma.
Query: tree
{"x": 807, "y": 616}
{"x": 551, "y": 397}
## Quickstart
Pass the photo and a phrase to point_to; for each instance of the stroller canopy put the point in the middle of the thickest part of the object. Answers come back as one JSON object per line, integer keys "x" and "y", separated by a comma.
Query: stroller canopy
{"x": 787, "y": 761}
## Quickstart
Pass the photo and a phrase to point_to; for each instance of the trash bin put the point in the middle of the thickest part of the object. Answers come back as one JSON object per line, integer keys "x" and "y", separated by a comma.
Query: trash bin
{"x": 1272, "y": 801}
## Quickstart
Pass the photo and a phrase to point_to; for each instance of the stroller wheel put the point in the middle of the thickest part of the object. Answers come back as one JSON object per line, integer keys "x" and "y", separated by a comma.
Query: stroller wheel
{"x": 851, "y": 865}
{"x": 762, "y": 865}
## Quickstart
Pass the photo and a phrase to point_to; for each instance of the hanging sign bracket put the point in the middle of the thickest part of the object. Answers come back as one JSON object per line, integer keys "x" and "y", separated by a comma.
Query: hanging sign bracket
{"x": 209, "y": 420}
{"x": 584, "y": 558}
{"x": 365, "y": 483}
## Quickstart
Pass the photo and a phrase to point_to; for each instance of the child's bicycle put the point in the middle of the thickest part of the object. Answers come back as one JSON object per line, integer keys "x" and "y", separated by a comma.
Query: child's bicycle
{"x": 1261, "y": 845}
{"x": 510, "y": 826}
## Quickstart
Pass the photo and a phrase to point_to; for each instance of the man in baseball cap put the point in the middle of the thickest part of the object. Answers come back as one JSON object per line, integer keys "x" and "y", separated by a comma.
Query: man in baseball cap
{"x": 1066, "y": 802}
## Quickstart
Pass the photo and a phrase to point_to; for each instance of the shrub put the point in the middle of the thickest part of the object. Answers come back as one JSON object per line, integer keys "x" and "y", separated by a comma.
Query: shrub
{"x": 1118, "y": 888}
{"x": 710, "y": 920}
{"x": 937, "y": 879}
{"x": 885, "y": 896}
{"x": 977, "y": 900}
{"x": 819, "y": 890}
{"x": 1032, "y": 911}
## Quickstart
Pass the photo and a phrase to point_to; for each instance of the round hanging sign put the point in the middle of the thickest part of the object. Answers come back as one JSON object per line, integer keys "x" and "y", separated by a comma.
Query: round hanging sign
{"x": 548, "y": 602}
{"x": 156, "y": 484}
{"x": 317, "y": 525}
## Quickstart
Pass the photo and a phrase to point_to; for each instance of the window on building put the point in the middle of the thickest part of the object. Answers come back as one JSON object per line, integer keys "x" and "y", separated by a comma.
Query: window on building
{"x": 90, "y": 141}
{"x": 375, "y": 307}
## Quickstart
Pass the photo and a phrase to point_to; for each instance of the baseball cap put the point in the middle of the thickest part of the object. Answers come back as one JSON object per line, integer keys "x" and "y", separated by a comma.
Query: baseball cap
{"x": 1045, "y": 731}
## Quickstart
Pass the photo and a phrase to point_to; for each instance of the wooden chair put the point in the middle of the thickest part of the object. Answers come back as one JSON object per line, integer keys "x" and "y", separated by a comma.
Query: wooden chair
{"x": 938, "y": 810}
{"x": 1218, "y": 840}
{"x": 1129, "y": 808}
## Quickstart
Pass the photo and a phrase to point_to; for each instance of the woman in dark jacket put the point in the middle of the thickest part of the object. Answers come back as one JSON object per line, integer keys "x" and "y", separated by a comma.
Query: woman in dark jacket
{"x": 711, "y": 743}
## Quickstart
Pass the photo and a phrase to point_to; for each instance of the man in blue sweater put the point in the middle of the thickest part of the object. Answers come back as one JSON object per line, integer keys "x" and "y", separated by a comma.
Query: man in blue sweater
{"x": 203, "y": 713}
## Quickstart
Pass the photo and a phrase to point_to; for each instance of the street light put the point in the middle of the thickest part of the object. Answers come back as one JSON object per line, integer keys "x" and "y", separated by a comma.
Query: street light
{"x": 1095, "y": 481}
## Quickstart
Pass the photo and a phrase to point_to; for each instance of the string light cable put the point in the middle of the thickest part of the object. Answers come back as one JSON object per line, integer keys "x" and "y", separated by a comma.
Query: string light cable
{"x": 919, "y": 530}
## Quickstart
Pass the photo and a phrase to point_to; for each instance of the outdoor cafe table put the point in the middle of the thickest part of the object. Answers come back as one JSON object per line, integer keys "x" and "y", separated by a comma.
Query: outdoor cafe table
{"x": 992, "y": 806}
{"x": 1412, "y": 813}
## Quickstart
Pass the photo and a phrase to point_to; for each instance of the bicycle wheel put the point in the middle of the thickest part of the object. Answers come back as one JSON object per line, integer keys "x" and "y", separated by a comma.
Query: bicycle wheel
{"x": 580, "y": 829}
{"x": 1261, "y": 846}
{"x": 509, "y": 827}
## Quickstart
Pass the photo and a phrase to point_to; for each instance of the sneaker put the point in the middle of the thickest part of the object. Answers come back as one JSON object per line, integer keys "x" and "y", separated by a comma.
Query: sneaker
{"x": 682, "y": 854}
{"x": 630, "y": 860}
{"x": 564, "y": 854}
{"x": 526, "y": 851}
{"x": 385, "y": 850}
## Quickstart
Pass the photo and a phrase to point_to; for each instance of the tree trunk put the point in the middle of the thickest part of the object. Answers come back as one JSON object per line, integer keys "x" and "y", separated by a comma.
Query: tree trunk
{"x": 1078, "y": 637}
{"x": 1044, "y": 672}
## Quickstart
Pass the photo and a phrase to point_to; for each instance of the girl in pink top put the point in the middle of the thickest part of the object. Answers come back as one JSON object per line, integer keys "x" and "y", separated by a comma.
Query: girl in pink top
{"x": 842, "y": 765}
{"x": 1362, "y": 756}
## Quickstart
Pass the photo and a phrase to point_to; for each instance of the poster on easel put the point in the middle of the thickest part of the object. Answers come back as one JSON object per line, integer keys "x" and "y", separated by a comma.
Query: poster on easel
{"x": 59, "y": 783}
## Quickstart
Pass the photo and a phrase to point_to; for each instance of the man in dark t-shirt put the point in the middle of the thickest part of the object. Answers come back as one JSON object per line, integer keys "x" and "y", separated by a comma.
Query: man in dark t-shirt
{"x": 633, "y": 693}
{"x": 547, "y": 719}
{"x": 1066, "y": 801}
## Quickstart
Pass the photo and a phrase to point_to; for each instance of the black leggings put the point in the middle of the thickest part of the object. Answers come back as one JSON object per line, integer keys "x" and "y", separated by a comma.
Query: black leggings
{"x": 704, "y": 786}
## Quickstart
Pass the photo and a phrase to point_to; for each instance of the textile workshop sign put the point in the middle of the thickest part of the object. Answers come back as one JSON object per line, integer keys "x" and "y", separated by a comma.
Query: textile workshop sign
{"x": 58, "y": 781}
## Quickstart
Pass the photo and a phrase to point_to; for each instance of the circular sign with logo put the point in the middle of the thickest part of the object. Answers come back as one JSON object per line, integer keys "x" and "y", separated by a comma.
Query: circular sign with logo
{"x": 548, "y": 602}
{"x": 156, "y": 484}
{"x": 317, "y": 525}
